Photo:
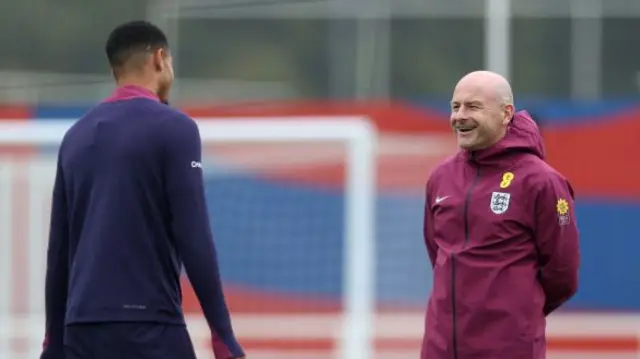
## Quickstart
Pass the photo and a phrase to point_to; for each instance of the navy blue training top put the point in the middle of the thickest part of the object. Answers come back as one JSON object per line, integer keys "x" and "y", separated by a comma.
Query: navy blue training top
{"x": 128, "y": 210}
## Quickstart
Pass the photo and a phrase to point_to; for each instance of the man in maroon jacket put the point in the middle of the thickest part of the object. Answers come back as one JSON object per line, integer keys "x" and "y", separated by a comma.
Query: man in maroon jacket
{"x": 500, "y": 231}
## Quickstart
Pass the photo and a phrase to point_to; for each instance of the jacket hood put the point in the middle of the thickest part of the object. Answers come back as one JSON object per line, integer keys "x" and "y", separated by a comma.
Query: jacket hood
{"x": 523, "y": 136}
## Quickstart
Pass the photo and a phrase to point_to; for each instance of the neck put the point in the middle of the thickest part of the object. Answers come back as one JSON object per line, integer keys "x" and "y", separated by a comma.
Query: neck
{"x": 497, "y": 139}
{"x": 137, "y": 82}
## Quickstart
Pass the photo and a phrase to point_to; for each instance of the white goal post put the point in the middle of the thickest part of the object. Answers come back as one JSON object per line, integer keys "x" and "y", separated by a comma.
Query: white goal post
{"x": 359, "y": 258}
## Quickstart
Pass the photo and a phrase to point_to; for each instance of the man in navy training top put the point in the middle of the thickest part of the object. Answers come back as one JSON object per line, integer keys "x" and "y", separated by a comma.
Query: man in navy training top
{"x": 128, "y": 210}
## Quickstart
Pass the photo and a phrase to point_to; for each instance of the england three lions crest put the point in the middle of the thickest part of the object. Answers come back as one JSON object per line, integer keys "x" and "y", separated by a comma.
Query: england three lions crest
{"x": 500, "y": 202}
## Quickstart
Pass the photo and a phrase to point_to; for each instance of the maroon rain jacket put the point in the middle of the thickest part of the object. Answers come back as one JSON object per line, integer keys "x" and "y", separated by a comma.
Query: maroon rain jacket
{"x": 501, "y": 234}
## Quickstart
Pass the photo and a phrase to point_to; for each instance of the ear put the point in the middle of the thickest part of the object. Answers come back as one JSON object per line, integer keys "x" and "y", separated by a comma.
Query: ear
{"x": 508, "y": 111}
{"x": 158, "y": 59}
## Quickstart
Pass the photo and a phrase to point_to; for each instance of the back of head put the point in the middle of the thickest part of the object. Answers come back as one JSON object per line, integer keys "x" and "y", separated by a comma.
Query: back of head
{"x": 138, "y": 53}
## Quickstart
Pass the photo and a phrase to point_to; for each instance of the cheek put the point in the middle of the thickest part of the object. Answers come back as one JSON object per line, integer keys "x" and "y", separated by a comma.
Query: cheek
{"x": 168, "y": 66}
{"x": 168, "y": 75}
{"x": 486, "y": 129}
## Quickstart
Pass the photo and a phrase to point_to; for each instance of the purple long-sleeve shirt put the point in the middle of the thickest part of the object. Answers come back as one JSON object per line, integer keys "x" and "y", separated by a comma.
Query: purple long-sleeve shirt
{"x": 128, "y": 210}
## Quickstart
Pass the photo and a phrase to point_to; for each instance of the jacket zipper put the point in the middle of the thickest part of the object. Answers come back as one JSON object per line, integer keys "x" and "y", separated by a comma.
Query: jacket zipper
{"x": 466, "y": 205}
{"x": 453, "y": 259}
{"x": 453, "y": 306}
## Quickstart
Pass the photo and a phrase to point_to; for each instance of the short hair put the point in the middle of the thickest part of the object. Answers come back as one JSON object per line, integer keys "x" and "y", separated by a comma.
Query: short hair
{"x": 132, "y": 38}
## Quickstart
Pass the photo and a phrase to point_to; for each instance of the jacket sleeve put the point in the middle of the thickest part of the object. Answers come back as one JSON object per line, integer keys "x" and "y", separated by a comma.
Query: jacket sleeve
{"x": 57, "y": 273}
{"x": 427, "y": 228}
{"x": 184, "y": 188}
{"x": 557, "y": 240}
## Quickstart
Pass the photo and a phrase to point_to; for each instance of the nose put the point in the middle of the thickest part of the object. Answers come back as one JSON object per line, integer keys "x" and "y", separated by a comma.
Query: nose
{"x": 458, "y": 116}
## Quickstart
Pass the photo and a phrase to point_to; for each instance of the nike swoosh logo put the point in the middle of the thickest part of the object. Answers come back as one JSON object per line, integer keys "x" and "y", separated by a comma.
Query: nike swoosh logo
{"x": 440, "y": 199}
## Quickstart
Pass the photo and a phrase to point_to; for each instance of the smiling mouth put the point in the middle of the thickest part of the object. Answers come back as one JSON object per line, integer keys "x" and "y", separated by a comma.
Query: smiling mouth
{"x": 465, "y": 129}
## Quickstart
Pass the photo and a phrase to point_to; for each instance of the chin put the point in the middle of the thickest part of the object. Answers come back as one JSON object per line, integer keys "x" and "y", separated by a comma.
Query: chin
{"x": 471, "y": 146}
{"x": 467, "y": 145}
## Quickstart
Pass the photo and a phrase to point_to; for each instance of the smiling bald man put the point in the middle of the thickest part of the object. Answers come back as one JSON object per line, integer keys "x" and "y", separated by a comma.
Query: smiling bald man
{"x": 500, "y": 231}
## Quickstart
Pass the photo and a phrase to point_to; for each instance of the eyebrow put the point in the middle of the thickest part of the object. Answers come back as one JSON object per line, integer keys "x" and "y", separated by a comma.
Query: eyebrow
{"x": 474, "y": 102}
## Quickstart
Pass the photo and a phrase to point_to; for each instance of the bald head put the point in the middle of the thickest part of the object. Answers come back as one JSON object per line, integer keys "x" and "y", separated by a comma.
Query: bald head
{"x": 493, "y": 84}
{"x": 481, "y": 108}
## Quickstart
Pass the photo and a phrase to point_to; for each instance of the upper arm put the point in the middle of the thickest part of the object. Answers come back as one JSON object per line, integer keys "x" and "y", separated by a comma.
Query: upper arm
{"x": 59, "y": 224}
{"x": 184, "y": 182}
{"x": 556, "y": 236}
{"x": 182, "y": 156}
{"x": 556, "y": 231}
{"x": 57, "y": 273}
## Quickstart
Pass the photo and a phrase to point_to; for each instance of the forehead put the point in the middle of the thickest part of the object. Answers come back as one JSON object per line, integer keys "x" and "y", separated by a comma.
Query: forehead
{"x": 465, "y": 93}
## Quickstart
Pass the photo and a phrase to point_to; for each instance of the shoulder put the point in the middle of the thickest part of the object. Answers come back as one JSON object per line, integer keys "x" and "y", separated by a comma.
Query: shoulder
{"x": 445, "y": 168}
{"x": 173, "y": 116}
{"x": 540, "y": 171}
{"x": 176, "y": 124}
{"x": 541, "y": 175}
{"x": 79, "y": 127}
{"x": 443, "y": 172}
